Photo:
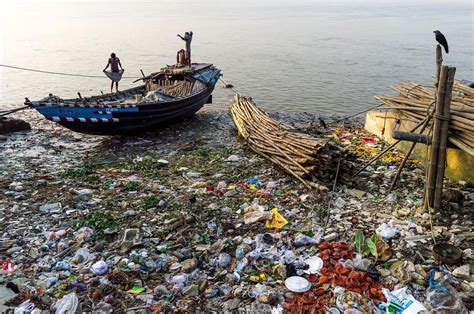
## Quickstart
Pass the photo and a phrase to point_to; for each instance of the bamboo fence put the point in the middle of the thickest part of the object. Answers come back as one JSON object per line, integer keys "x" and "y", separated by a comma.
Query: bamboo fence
{"x": 416, "y": 101}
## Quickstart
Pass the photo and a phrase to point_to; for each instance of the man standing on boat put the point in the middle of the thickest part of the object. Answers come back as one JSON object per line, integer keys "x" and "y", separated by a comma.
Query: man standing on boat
{"x": 115, "y": 74}
{"x": 188, "y": 37}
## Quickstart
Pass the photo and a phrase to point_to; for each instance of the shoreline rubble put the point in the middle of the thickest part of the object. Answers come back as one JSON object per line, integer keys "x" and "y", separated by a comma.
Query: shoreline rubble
{"x": 156, "y": 223}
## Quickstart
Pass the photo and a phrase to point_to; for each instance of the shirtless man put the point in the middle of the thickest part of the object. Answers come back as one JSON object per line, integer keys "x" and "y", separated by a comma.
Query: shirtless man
{"x": 114, "y": 63}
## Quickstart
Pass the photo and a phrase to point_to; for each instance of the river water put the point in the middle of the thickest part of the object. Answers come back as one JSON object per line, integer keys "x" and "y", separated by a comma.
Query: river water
{"x": 288, "y": 55}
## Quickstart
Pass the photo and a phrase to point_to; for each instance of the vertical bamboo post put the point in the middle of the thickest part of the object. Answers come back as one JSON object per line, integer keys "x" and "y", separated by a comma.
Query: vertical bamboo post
{"x": 443, "y": 139}
{"x": 433, "y": 165}
{"x": 439, "y": 63}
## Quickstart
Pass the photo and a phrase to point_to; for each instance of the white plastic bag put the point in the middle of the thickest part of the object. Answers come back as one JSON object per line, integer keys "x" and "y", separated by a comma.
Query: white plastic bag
{"x": 25, "y": 307}
{"x": 67, "y": 305}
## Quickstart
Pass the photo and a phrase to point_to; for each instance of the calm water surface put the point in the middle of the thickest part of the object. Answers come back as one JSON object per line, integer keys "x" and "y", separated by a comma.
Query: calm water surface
{"x": 288, "y": 55}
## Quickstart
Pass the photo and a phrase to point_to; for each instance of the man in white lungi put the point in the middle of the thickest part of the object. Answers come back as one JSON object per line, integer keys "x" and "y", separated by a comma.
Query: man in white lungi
{"x": 115, "y": 74}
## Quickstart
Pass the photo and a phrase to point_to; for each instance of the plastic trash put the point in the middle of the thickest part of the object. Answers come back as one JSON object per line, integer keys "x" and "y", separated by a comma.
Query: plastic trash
{"x": 51, "y": 281}
{"x": 221, "y": 186}
{"x": 354, "y": 302}
{"x": 386, "y": 231}
{"x": 258, "y": 290}
{"x": 224, "y": 259}
{"x": 277, "y": 309}
{"x": 340, "y": 203}
{"x": 241, "y": 265}
{"x": 233, "y": 158}
{"x": 82, "y": 255}
{"x": 277, "y": 221}
{"x": 67, "y": 305}
{"x": 315, "y": 264}
{"x": 254, "y": 216}
{"x": 136, "y": 290}
{"x": 62, "y": 265}
{"x": 131, "y": 238}
{"x": 99, "y": 268}
{"x": 297, "y": 284}
{"x": 83, "y": 234}
{"x": 399, "y": 301}
{"x": 179, "y": 279}
{"x": 84, "y": 194}
{"x": 442, "y": 297}
{"x": 392, "y": 198}
{"x": 7, "y": 266}
{"x": 51, "y": 208}
{"x": 24, "y": 308}
{"x": 359, "y": 262}
{"x": 302, "y": 240}
{"x": 271, "y": 185}
{"x": 373, "y": 272}
{"x": 368, "y": 140}
{"x": 163, "y": 162}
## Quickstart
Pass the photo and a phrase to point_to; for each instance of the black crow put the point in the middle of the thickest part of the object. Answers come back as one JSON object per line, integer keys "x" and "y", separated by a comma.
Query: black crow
{"x": 322, "y": 123}
{"x": 442, "y": 40}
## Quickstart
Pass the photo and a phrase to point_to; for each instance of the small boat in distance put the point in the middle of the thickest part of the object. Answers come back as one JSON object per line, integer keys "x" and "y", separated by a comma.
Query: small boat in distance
{"x": 173, "y": 93}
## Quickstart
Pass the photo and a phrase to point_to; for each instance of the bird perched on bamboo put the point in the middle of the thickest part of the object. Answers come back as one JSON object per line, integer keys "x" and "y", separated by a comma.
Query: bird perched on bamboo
{"x": 322, "y": 123}
{"x": 442, "y": 40}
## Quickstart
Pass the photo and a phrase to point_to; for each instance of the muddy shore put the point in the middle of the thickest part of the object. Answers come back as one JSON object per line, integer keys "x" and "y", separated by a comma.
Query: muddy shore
{"x": 186, "y": 189}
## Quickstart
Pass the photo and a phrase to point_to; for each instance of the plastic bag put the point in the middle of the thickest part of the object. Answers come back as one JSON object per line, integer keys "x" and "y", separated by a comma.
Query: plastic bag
{"x": 442, "y": 297}
{"x": 277, "y": 221}
{"x": 25, "y": 307}
{"x": 399, "y": 301}
{"x": 99, "y": 268}
{"x": 258, "y": 290}
{"x": 386, "y": 231}
{"x": 252, "y": 217}
{"x": 302, "y": 240}
{"x": 81, "y": 256}
{"x": 67, "y": 305}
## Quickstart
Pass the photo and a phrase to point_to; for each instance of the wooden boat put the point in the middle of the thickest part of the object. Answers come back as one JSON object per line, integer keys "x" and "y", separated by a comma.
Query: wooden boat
{"x": 169, "y": 95}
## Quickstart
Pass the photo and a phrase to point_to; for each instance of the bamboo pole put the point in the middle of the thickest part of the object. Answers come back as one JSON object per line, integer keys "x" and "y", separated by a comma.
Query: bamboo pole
{"x": 439, "y": 63}
{"x": 433, "y": 165}
{"x": 399, "y": 170}
{"x": 296, "y": 153}
{"x": 443, "y": 137}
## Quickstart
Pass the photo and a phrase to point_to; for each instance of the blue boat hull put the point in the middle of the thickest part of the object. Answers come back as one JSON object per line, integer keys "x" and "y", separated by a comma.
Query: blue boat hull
{"x": 146, "y": 118}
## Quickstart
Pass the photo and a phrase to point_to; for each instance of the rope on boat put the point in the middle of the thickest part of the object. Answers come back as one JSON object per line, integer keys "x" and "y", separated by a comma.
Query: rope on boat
{"x": 61, "y": 73}
{"x": 7, "y": 112}
{"x": 355, "y": 114}
{"x": 229, "y": 86}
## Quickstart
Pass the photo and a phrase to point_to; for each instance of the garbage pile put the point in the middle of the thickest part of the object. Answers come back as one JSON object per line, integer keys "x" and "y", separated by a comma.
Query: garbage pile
{"x": 188, "y": 219}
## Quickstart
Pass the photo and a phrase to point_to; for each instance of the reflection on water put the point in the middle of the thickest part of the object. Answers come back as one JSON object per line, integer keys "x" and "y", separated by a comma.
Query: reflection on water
{"x": 287, "y": 55}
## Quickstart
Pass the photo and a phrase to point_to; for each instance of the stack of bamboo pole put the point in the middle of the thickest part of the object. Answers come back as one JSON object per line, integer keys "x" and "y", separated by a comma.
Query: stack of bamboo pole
{"x": 307, "y": 158}
{"x": 180, "y": 89}
{"x": 416, "y": 101}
